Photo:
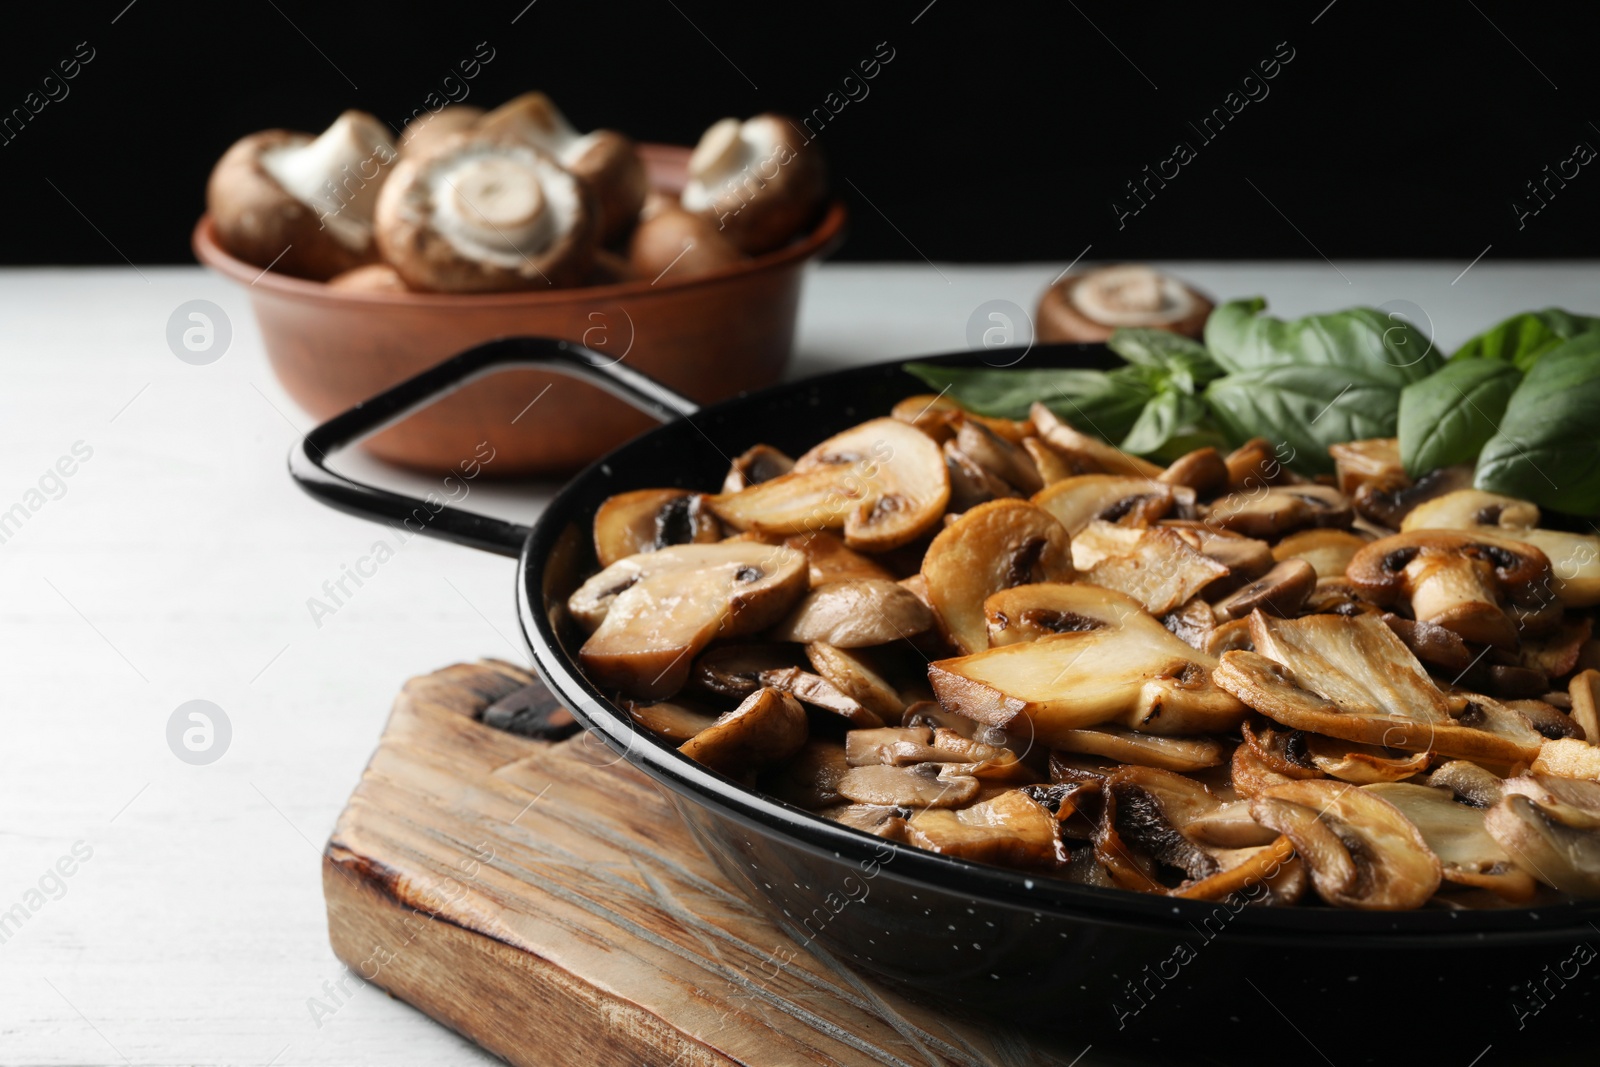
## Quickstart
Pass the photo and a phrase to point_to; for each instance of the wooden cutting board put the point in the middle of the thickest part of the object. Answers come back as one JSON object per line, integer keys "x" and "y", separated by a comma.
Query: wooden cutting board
{"x": 544, "y": 900}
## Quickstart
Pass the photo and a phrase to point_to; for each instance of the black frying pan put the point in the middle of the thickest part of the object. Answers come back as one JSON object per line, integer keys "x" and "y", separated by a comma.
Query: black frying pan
{"x": 1139, "y": 976}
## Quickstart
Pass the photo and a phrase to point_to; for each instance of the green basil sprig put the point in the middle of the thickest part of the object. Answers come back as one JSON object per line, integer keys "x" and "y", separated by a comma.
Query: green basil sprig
{"x": 1522, "y": 339}
{"x": 1449, "y": 416}
{"x": 1546, "y": 448}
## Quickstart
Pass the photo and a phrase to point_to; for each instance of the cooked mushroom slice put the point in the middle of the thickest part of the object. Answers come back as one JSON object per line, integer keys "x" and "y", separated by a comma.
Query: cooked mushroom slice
{"x": 934, "y": 414}
{"x": 1352, "y": 678}
{"x": 1557, "y": 654}
{"x": 883, "y": 482}
{"x": 920, "y": 785}
{"x": 1029, "y": 612}
{"x": 1012, "y": 829}
{"x": 971, "y": 483}
{"x": 1202, "y": 470}
{"x": 1470, "y": 783}
{"x": 652, "y": 613}
{"x": 1463, "y": 582}
{"x": 767, "y": 728}
{"x": 674, "y": 720}
{"x": 1363, "y": 853}
{"x": 870, "y": 747}
{"x": 736, "y": 670}
{"x": 1090, "y": 305}
{"x": 1051, "y": 465}
{"x": 819, "y": 692}
{"x": 1251, "y": 775}
{"x": 1432, "y": 643}
{"x": 756, "y": 464}
{"x": 1192, "y": 622}
{"x": 1280, "y": 510}
{"x": 994, "y": 546}
{"x": 1546, "y": 845}
{"x": 1374, "y": 459}
{"x": 1128, "y": 669}
{"x": 1161, "y": 570}
{"x": 1229, "y": 825}
{"x": 854, "y": 676}
{"x": 1574, "y": 557}
{"x": 874, "y": 819}
{"x": 856, "y": 613}
{"x": 1152, "y": 810}
{"x": 1100, "y": 540}
{"x": 1146, "y": 750}
{"x": 1569, "y": 758}
{"x": 1281, "y": 591}
{"x": 1328, "y": 551}
{"x": 1229, "y": 637}
{"x": 1455, "y": 833}
{"x": 298, "y": 204}
{"x": 1352, "y": 761}
{"x": 1585, "y": 692}
{"x": 648, "y": 519}
{"x": 1082, "y": 449}
{"x": 1571, "y": 800}
{"x": 831, "y": 561}
{"x": 1284, "y": 752}
{"x": 998, "y": 456}
{"x": 756, "y": 181}
{"x": 1118, "y": 498}
{"x": 811, "y": 779}
{"x": 605, "y": 159}
{"x": 1387, "y": 501}
{"x": 1239, "y": 870}
{"x": 1253, "y": 466}
{"x": 1246, "y": 558}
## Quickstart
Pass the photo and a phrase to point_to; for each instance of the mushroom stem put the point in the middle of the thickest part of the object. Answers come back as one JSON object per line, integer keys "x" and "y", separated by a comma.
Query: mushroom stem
{"x": 1458, "y": 593}
{"x": 337, "y": 174}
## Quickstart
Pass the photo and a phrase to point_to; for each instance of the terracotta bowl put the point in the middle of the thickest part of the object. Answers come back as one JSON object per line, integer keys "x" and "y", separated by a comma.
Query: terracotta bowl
{"x": 709, "y": 338}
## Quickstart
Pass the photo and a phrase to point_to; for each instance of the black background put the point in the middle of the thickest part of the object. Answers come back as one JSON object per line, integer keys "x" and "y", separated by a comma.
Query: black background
{"x": 997, "y": 131}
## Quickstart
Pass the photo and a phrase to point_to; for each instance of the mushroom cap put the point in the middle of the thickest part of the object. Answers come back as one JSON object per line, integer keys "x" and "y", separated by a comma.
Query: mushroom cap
{"x": 758, "y": 181}
{"x": 372, "y": 278}
{"x": 1091, "y": 305}
{"x": 644, "y": 520}
{"x": 678, "y": 245}
{"x": 480, "y": 213}
{"x": 855, "y": 613}
{"x": 262, "y": 222}
{"x": 423, "y": 132}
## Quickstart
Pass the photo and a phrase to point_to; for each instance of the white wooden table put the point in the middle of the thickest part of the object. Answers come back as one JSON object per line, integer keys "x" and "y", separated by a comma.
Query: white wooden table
{"x": 175, "y": 563}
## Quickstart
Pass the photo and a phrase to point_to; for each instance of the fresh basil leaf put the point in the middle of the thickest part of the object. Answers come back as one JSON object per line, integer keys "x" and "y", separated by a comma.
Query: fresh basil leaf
{"x": 1008, "y": 393}
{"x": 1447, "y": 417}
{"x": 1522, "y": 339}
{"x": 1161, "y": 420}
{"x": 1112, "y": 412}
{"x": 1381, "y": 349}
{"x": 1547, "y": 449}
{"x": 1184, "y": 361}
{"x": 1305, "y": 408}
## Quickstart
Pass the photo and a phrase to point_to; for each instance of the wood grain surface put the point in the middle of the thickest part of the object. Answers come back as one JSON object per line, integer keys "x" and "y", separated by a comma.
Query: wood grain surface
{"x": 544, "y": 900}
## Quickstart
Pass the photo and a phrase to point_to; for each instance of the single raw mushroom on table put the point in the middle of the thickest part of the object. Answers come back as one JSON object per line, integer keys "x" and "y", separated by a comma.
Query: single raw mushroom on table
{"x": 481, "y": 213}
{"x": 302, "y": 205}
{"x": 651, "y": 614}
{"x": 605, "y": 160}
{"x": 1090, "y": 305}
{"x": 756, "y": 180}
{"x": 1463, "y": 582}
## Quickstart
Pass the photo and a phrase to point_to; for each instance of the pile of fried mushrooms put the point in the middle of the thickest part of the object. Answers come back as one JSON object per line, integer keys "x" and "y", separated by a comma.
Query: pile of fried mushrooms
{"x": 467, "y": 201}
{"x": 1009, "y": 642}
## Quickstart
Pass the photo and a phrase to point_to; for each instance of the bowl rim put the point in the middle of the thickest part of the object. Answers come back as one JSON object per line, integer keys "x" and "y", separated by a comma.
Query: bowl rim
{"x": 980, "y": 883}
{"x": 823, "y": 239}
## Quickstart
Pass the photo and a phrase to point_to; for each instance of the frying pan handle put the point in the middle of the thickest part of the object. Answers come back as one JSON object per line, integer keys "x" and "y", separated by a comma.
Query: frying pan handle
{"x": 308, "y": 461}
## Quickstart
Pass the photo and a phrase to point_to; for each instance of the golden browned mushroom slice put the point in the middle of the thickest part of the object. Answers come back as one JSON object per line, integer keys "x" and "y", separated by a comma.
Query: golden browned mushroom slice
{"x": 1432, "y": 643}
{"x": 1569, "y": 758}
{"x": 1352, "y": 761}
{"x": 767, "y": 728}
{"x": 994, "y": 546}
{"x": 1283, "y": 752}
{"x": 1129, "y": 670}
{"x": 1470, "y": 783}
{"x": 853, "y": 675}
{"x": 866, "y": 748}
{"x": 1363, "y": 853}
{"x": 1328, "y": 551}
{"x": 819, "y": 692}
{"x": 919, "y": 785}
{"x": 938, "y": 416}
{"x": 1574, "y": 557}
{"x": 1280, "y": 510}
{"x": 1247, "y": 558}
{"x": 1456, "y": 834}
{"x": 1352, "y": 678}
{"x": 1550, "y": 827}
{"x": 1100, "y": 540}
{"x": 1122, "y": 499}
{"x": 971, "y": 483}
{"x": 876, "y": 819}
{"x": 1080, "y": 449}
{"x": 1241, "y": 869}
{"x": 1387, "y": 501}
{"x": 883, "y": 482}
{"x": 1202, "y": 470}
{"x": 1281, "y": 591}
{"x": 831, "y": 561}
{"x": 1585, "y": 692}
{"x": 1051, "y": 465}
{"x": 756, "y": 464}
{"x": 1152, "y": 813}
{"x": 1463, "y": 582}
{"x": 1254, "y": 465}
{"x": 651, "y": 614}
{"x": 811, "y": 779}
{"x": 1160, "y": 569}
{"x": 855, "y": 613}
{"x": 998, "y": 456}
{"x": 1192, "y": 621}
{"x": 1228, "y": 637}
{"x": 1012, "y": 829}
{"x": 1029, "y": 612}
{"x": 675, "y": 720}
{"x": 1090, "y": 305}
{"x": 1147, "y": 750}
{"x": 648, "y": 519}
{"x": 736, "y": 670}
{"x": 1370, "y": 460}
